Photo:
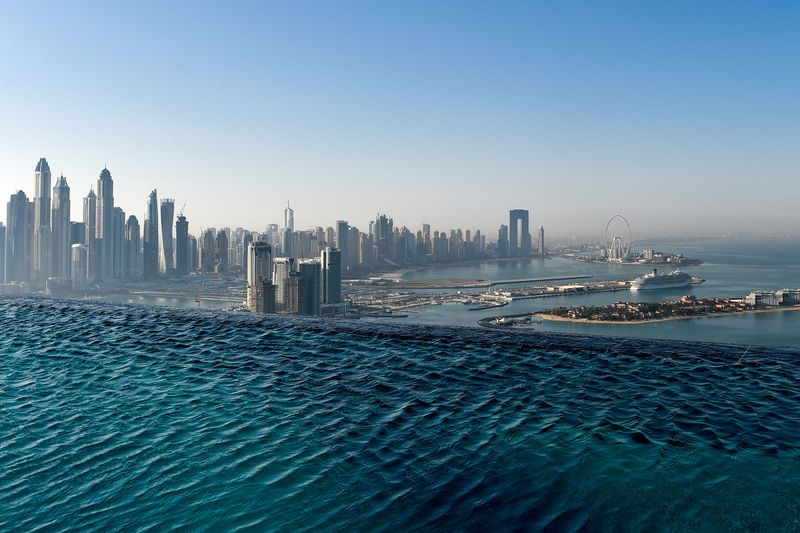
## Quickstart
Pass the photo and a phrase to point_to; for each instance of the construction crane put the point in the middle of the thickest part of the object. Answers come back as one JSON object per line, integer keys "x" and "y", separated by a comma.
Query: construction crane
{"x": 182, "y": 208}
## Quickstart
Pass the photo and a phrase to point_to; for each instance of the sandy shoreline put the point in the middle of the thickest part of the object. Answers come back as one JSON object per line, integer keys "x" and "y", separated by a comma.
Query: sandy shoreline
{"x": 666, "y": 319}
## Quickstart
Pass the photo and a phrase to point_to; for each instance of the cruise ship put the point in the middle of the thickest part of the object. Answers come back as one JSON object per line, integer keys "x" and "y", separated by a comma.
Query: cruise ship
{"x": 654, "y": 280}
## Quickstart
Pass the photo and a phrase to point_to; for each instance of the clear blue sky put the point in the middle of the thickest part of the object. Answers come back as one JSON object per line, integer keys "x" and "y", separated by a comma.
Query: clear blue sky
{"x": 678, "y": 114}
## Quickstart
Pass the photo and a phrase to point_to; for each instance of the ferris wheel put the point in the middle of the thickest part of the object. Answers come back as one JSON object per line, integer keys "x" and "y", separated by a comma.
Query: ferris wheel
{"x": 618, "y": 238}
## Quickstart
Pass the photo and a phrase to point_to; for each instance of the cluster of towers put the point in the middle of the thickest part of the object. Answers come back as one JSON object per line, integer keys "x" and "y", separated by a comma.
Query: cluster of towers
{"x": 42, "y": 246}
{"x": 306, "y": 287}
{"x": 285, "y": 269}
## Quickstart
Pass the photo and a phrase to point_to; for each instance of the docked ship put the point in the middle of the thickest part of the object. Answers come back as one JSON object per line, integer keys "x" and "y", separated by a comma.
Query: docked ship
{"x": 654, "y": 280}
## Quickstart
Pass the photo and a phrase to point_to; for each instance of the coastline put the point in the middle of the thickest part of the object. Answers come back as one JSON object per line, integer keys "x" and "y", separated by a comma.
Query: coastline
{"x": 665, "y": 319}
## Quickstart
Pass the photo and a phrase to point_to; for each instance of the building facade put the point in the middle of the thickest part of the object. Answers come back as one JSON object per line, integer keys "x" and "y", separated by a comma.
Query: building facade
{"x": 167, "y": 257}
{"x": 62, "y": 238}
{"x": 105, "y": 225}
{"x": 42, "y": 236}
{"x": 331, "y": 262}
{"x": 260, "y": 291}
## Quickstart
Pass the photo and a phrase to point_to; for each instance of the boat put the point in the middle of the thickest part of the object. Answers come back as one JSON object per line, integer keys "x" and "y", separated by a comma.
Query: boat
{"x": 654, "y": 281}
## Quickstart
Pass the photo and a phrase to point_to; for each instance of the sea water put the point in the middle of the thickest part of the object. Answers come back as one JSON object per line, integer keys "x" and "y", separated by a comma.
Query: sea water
{"x": 121, "y": 417}
{"x": 732, "y": 268}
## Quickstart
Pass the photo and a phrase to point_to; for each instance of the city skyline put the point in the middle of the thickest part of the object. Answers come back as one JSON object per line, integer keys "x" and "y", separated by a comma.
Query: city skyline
{"x": 577, "y": 112}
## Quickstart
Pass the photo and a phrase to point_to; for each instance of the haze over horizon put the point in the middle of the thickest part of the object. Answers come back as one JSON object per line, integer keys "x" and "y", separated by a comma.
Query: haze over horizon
{"x": 683, "y": 117}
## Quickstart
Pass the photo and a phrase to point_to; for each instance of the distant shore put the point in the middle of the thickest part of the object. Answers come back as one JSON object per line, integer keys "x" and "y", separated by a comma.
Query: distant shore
{"x": 553, "y": 318}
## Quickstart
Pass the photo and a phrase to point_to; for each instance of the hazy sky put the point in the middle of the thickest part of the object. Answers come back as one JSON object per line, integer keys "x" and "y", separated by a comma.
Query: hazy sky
{"x": 677, "y": 114}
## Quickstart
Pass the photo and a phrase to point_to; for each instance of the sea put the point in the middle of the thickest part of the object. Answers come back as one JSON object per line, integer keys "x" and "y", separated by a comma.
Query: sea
{"x": 731, "y": 267}
{"x": 118, "y": 417}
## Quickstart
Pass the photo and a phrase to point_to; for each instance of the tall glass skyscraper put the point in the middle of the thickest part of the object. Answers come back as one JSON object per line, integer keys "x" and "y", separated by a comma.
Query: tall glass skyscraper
{"x": 19, "y": 235}
{"x": 150, "y": 241}
{"x": 62, "y": 239}
{"x": 90, "y": 223}
{"x": 331, "y": 276}
{"x": 42, "y": 242}
{"x": 133, "y": 269}
{"x": 167, "y": 258}
{"x": 182, "y": 246}
{"x": 105, "y": 224}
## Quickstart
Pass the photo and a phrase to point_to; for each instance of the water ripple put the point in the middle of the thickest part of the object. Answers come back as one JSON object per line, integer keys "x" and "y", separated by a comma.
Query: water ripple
{"x": 123, "y": 417}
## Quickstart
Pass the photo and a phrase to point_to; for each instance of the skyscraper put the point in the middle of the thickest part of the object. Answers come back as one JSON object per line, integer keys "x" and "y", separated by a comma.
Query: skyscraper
{"x": 119, "y": 256}
{"x": 19, "y": 238}
{"x": 519, "y": 236}
{"x": 383, "y": 237}
{"x": 343, "y": 242}
{"x": 167, "y": 261}
{"x": 287, "y": 242}
{"x": 133, "y": 246}
{"x": 331, "y": 276}
{"x": 62, "y": 240}
{"x": 207, "y": 251}
{"x": 282, "y": 267}
{"x": 105, "y": 224}
{"x": 79, "y": 261}
{"x": 308, "y": 289}
{"x": 221, "y": 253}
{"x": 182, "y": 246}
{"x": 194, "y": 254}
{"x": 150, "y": 238}
{"x": 90, "y": 222}
{"x": 42, "y": 243}
{"x": 541, "y": 241}
{"x": 288, "y": 218}
{"x": 502, "y": 241}
{"x": 260, "y": 291}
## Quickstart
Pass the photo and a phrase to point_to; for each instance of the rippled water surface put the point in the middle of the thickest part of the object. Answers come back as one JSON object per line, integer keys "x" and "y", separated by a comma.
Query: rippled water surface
{"x": 124, "y": 417}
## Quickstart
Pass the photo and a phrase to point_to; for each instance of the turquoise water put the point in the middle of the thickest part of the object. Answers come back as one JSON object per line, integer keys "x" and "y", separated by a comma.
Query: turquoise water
{"x": 133, "y": 417}
{"x": 731, "y": 268}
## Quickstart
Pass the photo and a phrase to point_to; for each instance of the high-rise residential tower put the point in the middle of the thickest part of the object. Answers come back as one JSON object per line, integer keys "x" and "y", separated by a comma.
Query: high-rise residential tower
{"x": 90, "y": 223}
{"x": 207, "y": 251}
{"x": 182, "y": 247}
{"x": 105, "y": 224}
{"x": 308, "y": 290}
{"x": 167, "y": 257}
{"x": 343, "y": 242}
{"x": 383, "y": 237}
{"x": 62, "y": 238}
{"x": 133, "y": 246}
{"x": 150, "y": 238}
{"x": 42, "y": 241}
{"x": 282, "y": 268}
{"x": 260, "y": 290}
{"x": 221, "y": 252}
{"x": 79, "y": 260}
{"x": 19, "y": 238}
{"x": 120, "y": 257}
{"x": 502, "y": 241}
{"x": 331, "y": 260}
